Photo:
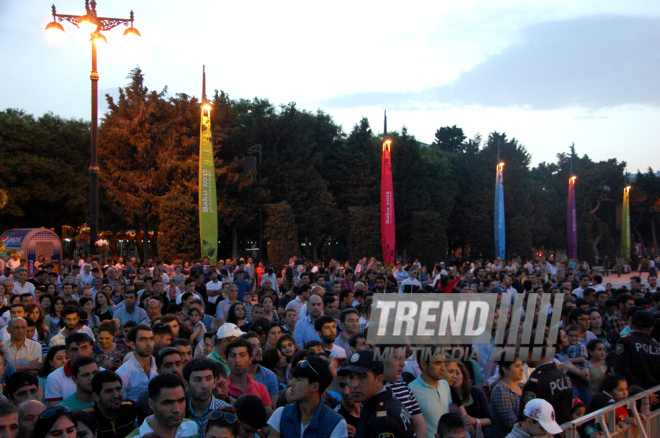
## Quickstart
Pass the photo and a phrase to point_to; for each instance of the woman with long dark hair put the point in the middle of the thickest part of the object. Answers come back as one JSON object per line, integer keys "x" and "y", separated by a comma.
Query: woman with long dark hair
{"x": 35, "y": 313}
{"x": 236, "y": 314}
{"x": 52, "y": 320}
{"x": 104, "y": 308}
{"x": 57, "y": 422}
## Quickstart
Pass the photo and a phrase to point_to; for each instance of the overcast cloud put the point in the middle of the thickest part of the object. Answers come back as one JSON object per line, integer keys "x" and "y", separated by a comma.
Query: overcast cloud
{"x": 590, "y": 62}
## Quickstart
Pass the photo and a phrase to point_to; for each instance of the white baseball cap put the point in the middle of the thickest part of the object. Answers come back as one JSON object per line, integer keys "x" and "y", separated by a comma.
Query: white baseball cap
{"x": 227, "y": 330}
{"x": 540, "y": 410}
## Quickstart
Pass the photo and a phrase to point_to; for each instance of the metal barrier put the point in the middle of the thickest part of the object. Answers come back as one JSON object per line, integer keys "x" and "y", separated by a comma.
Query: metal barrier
{"x": 648, "y": 428}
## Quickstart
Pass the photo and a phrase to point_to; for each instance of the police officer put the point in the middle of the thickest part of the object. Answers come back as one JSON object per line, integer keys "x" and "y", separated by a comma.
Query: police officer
{"x": 550, "y": 384}
{"x": 382, "y": 415}
{"x": 637, "y": 354}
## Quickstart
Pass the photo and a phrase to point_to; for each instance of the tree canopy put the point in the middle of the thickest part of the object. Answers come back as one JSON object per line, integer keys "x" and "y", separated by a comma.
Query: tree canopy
{"x": 317, "y": 185}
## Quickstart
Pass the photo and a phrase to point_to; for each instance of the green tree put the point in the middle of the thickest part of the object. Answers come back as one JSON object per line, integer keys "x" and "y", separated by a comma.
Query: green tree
{"x": 364, "y": 231}
{"x": 44, "y": 164}
{"x": 281, "y": 233}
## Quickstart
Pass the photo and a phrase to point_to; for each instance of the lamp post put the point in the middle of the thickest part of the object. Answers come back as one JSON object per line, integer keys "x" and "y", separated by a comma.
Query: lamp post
{"x": 97, "y": 24}
{"x": 258, "y": 149}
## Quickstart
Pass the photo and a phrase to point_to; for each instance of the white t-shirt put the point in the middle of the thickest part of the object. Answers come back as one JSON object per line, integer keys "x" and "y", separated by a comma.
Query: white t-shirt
{"x": 58, "y": 386}
{"x": 340, "y": 430}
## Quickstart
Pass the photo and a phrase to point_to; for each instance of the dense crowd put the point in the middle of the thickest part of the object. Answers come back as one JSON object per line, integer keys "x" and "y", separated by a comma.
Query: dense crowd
{"x": 240, "y": 349}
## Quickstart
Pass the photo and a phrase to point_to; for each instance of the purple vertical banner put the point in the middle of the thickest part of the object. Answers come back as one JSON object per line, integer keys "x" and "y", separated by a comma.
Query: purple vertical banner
{"x": 572, "y": 220}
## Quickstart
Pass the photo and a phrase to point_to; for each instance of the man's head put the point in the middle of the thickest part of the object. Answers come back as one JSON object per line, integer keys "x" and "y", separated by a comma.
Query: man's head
{"x": 290, "y": 317}
{"x": 153, "y": 309}
{"x": 17, "y": 329}
{"x": 17, "y": 310}
{"x": 315, "y": 306}
{"x": 251, "y": 412}
{"x": 130, "y": 299}
{"x": 22, "y": 386}
{"x": 107, "y": 390}
{"x": 540, "y": 418}
{"x": 185, "y": 348}
{"x": 28, "y": 414}
{"x": 70, "y": 317}
{"x": 162, "y": 333}
{"x": 9, "y": 424}
{"x": 83, "y": 371}
{"x": 365, "y": 375}
{"x": 169, "y": 361}
{"x": 257, "y": 353}
{"x": 167, "y": 399}
{"x": 311, "y": 377}
{"x": 258, "y": 312}
{"x": 330, "y": 305}
{"x": 350, "y": 321}
{"x": 642, "y": 321}
{"x": 450, "y": 425}
{"x": 239, "y": 356}
{"x": 326, "y": 329}
{"x": 78, "y": 345}
{"x": 393, "y": 368}
{"x": 141, "y": 340}
{"x": 432, "y": 365}
{"x": 200, "y": 375}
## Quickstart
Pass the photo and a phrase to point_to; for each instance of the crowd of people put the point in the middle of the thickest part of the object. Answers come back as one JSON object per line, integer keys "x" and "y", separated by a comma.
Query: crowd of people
{"x": 239, "y": 349}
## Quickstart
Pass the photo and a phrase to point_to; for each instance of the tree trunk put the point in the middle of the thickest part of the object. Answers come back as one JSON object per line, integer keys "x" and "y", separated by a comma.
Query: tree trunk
{"x": 595, "y": 243}
{"x": 145, "y": 240}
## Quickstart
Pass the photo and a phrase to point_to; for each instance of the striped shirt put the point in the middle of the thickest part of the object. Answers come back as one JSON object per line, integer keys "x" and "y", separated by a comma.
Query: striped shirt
{"x": 401, "y": 392}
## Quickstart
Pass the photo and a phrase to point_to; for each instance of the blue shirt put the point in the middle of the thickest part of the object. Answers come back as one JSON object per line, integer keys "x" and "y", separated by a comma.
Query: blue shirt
{"x": 305, "y": 332}
{"x": 124, "y": 316}
{"x": 243, "y": 287}
{"x": 268, "y": 378}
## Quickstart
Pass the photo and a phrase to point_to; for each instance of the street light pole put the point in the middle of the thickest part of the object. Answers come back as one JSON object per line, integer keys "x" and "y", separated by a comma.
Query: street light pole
{"x": 94, "y": 159}
{"x": 257, "y": 148}
{"x": 100, "y": 24}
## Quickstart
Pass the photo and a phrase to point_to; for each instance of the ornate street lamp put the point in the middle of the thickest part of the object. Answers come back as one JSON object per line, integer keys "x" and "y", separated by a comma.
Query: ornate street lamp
{"x": 95, "y": 24}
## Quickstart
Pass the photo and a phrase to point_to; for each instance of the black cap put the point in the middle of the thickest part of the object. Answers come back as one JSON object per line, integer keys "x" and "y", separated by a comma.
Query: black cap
{"x": 362, "y": 362}
{"x": 642, "y": 319}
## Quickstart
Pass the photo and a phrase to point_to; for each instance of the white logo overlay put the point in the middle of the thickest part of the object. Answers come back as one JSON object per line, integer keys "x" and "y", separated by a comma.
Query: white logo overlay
{"x": 457, "y": 322}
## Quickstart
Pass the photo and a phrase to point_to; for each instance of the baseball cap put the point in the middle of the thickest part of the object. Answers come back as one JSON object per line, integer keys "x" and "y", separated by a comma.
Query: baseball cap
{"x": 540, "y": 410}
{"x": 642, "y": 319}
{"x": 227, "y": 330}
{"x": 362, "y": 362}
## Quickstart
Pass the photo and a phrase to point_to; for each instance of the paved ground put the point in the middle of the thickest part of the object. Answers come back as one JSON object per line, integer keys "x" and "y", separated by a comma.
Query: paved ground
{"x": 624, "y": 280}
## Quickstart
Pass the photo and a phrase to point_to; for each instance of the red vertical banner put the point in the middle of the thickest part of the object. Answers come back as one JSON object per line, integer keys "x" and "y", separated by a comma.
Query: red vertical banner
{"x": 387, "y": 227}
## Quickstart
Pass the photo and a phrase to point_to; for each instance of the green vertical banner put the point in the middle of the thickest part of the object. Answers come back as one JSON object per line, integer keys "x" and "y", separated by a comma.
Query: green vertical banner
{"x": 625, "y": 225}
{"x": 208, "y": 204}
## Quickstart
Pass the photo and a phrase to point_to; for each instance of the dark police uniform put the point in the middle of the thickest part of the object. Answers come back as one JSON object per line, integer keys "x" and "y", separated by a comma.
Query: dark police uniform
{"x": 550, "y": 384}
{"x": 382, "y": 416}
{"x": 638, "y": 359}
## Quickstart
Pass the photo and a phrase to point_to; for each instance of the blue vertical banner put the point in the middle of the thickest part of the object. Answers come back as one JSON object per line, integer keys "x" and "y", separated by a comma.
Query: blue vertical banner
{"x": 500, "y": 230}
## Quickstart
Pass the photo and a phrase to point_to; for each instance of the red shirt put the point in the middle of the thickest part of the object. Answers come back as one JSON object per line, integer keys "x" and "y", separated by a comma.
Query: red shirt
{"x": 253, "y": 388}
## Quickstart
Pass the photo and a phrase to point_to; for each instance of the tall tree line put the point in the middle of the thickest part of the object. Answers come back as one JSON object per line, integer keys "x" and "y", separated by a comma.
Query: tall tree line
{"x": 319, "y": 187}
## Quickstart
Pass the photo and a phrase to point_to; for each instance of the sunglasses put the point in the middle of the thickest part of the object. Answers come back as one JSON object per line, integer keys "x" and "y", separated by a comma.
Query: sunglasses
{"x": 49, "y": 413}
{"x": 226, "y": 416}
{"x": 305, "y": 364}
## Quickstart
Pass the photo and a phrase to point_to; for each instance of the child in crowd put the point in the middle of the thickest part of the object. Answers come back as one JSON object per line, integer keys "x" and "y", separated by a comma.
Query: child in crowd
{"x": 450, "y": 426}
{"x": 198, "y": 328}
{"x": 576, "y": 352}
